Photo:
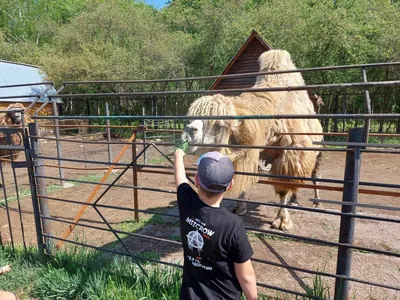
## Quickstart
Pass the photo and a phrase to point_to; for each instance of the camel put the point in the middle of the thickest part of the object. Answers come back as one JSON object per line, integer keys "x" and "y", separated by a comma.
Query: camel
{"x": 252, "y": 132}
{"x": 9, "y": 118}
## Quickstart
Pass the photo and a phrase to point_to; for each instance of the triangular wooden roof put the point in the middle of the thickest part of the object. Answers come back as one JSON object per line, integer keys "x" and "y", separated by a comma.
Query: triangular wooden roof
{"x": 244, "y": 61}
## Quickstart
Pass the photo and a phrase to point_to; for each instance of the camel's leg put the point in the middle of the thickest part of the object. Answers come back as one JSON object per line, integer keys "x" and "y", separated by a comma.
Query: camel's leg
{"x": 293, "y": 199}
{"x": 316, "y": 175}
{"x": 241, "y": 207}
{"x": 282, "y": 220}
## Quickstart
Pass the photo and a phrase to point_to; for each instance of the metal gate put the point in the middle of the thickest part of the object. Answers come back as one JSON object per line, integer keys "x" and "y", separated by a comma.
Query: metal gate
{"x": 16, "y": 154}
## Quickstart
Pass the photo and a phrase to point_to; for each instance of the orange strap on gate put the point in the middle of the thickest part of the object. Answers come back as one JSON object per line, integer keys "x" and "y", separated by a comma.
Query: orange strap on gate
{"x": 93, "y": 194}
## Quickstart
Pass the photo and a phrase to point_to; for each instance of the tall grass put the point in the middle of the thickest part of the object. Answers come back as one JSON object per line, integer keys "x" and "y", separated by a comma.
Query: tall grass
{"x": 82, "y": 274}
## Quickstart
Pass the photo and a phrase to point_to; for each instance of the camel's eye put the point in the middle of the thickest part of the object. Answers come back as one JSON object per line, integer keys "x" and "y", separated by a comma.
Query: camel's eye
{"x": 194, "y": 129}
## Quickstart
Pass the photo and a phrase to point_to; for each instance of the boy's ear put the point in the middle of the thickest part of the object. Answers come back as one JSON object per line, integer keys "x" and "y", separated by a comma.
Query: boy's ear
{"x": 230, "y": 185}
{"x": 196, "y": 180}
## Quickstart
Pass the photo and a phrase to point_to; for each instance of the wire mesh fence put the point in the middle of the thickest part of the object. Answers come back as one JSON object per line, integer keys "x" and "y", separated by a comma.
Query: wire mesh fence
{"x": 120, "y": 198}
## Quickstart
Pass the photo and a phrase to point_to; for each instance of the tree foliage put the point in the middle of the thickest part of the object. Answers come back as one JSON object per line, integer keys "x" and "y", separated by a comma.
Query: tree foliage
{"x": 126, "y": 39}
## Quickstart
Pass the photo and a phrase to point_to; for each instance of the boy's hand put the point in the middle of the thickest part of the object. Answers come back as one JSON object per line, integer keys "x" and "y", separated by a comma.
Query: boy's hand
{"x": 179, "y": 167}
{"x": 179, "y": 153}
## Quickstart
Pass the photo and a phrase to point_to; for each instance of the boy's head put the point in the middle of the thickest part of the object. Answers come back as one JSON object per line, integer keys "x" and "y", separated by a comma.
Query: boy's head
{"x": 214, "y": 173}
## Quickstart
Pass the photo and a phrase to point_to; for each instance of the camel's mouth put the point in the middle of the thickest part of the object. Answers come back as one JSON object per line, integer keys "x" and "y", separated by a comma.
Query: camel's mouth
{"x": 16, "y": 117}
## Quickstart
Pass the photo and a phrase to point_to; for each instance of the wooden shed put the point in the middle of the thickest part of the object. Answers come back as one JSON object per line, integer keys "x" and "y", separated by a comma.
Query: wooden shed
{"x": 244, "y": 61}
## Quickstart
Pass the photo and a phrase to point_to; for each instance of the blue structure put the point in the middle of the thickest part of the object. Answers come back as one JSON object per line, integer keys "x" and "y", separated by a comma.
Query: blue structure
{"x": 12, "y": 73}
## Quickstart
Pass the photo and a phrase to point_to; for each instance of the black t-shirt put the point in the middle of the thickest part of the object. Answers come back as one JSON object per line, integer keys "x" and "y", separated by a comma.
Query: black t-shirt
{"x": 213, "y": 239}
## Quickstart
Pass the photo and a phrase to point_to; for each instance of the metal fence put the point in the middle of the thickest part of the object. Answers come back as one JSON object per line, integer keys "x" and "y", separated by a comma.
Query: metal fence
{"x": 59, "y": 160}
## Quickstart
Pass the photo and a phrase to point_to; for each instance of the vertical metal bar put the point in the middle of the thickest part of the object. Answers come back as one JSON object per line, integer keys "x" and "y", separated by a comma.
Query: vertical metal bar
{"x": 41, "y": 182}
{"x": 108, "y": 134}
{"x": 58, "y": 143}
{"x": 135, "y": 177}
{"x": 347, "y": 223}
{"x": 83, "y": 132}
{"x": 17, "y": 193}
{"x": 6, "y": 203}
{"x": 144, "y": 136}
{"x": 32, "y": 184}
{"x": 367, "y": 122}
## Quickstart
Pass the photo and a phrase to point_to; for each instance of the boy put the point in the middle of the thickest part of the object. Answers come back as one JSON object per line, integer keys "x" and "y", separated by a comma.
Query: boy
{"x": 217, "y": 251}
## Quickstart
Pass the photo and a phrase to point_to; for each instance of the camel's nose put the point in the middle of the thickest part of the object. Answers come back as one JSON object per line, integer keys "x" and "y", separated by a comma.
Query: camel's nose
{"x": 186, "y": 136}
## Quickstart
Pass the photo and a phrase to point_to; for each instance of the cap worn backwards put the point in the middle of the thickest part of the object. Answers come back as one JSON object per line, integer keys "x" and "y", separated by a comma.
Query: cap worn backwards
{"x": 215, "y": 172}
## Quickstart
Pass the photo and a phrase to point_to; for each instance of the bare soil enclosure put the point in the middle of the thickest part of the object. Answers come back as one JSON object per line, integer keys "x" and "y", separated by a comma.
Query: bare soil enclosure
{"x": 382, "y": 168}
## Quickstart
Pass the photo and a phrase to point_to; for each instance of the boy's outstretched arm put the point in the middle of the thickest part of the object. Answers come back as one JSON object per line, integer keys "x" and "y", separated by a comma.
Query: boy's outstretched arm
{"x": 179, "y": 168}
{"x": 247, "y": 279}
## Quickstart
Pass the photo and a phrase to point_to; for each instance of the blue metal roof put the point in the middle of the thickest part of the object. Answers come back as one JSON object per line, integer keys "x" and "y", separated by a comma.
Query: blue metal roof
{"x": 13, "y": 73}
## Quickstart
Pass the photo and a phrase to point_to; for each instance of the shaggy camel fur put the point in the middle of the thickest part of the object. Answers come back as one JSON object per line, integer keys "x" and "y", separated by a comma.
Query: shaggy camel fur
{"x": 12, "y": 117}
{"x": 298, "y": 163}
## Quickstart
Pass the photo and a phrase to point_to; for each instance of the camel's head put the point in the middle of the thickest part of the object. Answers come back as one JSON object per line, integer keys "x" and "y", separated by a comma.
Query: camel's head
{"x": 210, "y": 132}
{"x": 15, "y": 113}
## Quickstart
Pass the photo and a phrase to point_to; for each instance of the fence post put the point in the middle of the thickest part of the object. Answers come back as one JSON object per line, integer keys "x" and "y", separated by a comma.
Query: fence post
{"x": 144, "y": 136}
{"x": 108, "y": 134}
{"x": 135, "y": 179}
{"x": 367, "y": 122}
{"x": 40, "y": 189}
{"x": 58, "y": 143}
{"x": 347, "y": 223}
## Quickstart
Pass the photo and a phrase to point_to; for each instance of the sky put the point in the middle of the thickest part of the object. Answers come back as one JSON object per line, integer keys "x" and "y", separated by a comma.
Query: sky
{"x": 156, "y": 3}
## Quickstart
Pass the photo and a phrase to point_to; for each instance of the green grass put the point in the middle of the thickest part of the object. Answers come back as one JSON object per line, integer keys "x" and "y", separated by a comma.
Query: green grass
{"x": 131, "y": 225}
{"x": 156, "y": 160}
{"x": 266, "y": 236}
{"x": 90, "y": 177}
{"x": 63, "y": 277}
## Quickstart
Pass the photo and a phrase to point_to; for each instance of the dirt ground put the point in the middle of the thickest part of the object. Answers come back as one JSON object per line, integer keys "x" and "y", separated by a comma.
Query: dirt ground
{"x": 382, "y": 168}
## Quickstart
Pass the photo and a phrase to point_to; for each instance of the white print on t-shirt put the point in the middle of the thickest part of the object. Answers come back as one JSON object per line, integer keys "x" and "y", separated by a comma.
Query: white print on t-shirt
{"x": 196, "y": 263}
{"x": 200, "y": 226}
{"x": 195, "y": 240}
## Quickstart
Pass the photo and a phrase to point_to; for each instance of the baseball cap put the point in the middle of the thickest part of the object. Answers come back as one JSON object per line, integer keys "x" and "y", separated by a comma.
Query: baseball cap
{"x": 215, "y": 172}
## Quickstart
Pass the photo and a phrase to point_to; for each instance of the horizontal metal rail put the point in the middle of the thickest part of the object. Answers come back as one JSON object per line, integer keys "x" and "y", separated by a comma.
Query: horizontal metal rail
{"x": 111, "y": 251}
{"x": 21, "y": 96}
{"x": 394, "y": 208}
{"x": 387, "y": 286}
{"x": 26, "y": 84}
{"x": 146, "y": 129}
{"x": 115, "y": 230}
{"x": 11, "y": 147}
{"x": 216, "y": 145}
{"x": 269, "y": 232}
{"x": 14, "y": 110}
{"x": 193, "y": 169}
{"x": 241, "y": 75}
{"x": 250, "y": 117}
{"x": 369, "y": 84}
{"x": 301, "y": 208}
{"x": 198, "y": 145}
{"x": 358, "y": 144}
{"x": 336, "y": 181}
{"x": 169, "y": 264}
{"x": 253, "y": 259}
{"x": 268, "y": 262}
{"x": 380, "y": 151}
